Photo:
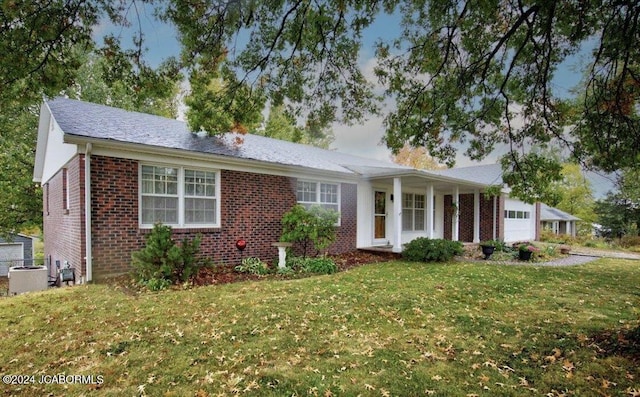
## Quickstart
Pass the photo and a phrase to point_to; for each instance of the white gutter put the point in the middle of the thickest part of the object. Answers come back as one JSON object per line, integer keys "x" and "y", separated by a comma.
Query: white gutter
{"x": 87, "y": 211}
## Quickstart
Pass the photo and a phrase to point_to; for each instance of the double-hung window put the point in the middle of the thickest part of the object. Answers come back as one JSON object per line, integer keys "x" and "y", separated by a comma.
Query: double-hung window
{"x": 323, "y": 194}
{"x": 413, "y": 211}
{"x": 178, "y": 196}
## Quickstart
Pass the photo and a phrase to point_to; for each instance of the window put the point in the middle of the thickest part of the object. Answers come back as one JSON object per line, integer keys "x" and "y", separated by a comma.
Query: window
{"x": 200, "y": 197}
{"x": 178, "y": 196}
{"x": 326, "y": 195}
{"x": 413, "y": 211}
{"x": 517, "y": 214}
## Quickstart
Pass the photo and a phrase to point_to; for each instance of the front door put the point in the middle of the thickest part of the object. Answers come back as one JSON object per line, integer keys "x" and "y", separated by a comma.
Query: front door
{"x": 379, "y": 216}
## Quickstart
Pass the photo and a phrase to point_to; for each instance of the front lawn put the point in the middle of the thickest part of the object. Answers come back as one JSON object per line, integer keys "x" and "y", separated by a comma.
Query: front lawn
{"x": 391, "y": 329}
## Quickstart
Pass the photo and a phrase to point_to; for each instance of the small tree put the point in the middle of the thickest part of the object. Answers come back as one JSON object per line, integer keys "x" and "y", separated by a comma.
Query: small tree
{"x": 315, "y": 225}
{"x": 161, "y": 262}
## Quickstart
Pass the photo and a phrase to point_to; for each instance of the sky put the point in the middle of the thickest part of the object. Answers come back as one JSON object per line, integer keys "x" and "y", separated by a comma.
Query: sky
{"x": 362, "y": 139}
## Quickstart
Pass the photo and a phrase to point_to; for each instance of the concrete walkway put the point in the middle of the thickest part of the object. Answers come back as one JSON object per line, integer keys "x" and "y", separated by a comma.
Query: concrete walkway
{"x": 585, "y": 251}
{"x": 570, "y": 260}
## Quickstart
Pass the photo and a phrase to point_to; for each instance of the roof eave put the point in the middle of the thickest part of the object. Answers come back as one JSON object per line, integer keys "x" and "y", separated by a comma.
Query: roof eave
{"x": 248, "y": 164}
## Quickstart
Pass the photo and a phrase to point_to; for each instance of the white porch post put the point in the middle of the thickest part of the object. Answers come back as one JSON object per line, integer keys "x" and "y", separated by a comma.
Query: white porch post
{"x": 476, "y": 216}
{"x": 397, "y": 215}
{"x": 429, "y": 209}
{"x": 455, "y": 224}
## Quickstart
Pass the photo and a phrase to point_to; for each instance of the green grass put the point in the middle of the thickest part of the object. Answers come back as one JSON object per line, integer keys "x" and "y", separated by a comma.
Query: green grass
{"x": 398, "y": 329}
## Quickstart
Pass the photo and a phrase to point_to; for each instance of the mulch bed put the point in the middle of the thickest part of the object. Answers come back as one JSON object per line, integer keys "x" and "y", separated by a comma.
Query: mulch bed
{"x": 223, "y": 274}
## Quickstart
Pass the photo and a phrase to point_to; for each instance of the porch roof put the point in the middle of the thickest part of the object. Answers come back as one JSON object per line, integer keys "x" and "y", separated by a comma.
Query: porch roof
{"x": 414, "y": 178}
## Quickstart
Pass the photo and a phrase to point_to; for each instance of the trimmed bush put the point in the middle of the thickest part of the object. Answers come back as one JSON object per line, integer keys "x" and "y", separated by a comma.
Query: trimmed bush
{"x": 162, "y": 262}
{"x": 424, "y": 249}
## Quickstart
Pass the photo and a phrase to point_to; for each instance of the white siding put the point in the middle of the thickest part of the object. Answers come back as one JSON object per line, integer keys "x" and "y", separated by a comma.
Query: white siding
{"x": 365, "y": 215}
{"x": 57, "y": 153}
{"x": 519, "y": 229}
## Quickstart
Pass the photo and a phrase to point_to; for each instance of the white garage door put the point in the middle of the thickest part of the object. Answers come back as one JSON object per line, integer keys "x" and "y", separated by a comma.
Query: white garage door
{"x": 519, "y": 221}
{"x": 10, "y": 255}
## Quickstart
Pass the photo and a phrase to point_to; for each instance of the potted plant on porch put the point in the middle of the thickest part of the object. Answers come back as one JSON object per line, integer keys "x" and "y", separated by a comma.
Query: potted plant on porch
{"x": 488, "y": 247}
{"x": 525, "y": 250}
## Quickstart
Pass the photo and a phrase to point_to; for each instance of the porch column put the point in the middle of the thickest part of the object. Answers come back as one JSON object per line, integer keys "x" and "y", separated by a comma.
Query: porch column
{"x": 429, "y": 210}
{"x": 455, "y": 224}
{"x": 476, "y": 216}
{"x": 397, "y": 215}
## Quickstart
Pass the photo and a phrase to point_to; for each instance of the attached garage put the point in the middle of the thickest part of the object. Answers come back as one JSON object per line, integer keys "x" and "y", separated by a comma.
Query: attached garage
{"x": 15, "y": 251}
{"x": 519, "y": 221}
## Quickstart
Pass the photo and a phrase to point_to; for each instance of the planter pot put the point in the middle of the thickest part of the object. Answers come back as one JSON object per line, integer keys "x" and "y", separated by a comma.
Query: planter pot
{"x": 487, "y": 250}
{"x": 524, "y": 255}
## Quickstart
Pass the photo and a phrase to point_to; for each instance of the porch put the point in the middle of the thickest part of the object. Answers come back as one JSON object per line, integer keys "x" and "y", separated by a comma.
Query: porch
{"x": 411, "y": 204}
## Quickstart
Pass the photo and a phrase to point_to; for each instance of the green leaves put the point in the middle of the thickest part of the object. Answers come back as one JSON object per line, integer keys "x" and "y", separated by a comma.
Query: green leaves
{"x": 315, "y": 225}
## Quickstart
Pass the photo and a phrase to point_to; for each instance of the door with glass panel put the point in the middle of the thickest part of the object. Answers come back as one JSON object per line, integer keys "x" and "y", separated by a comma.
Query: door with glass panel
{"x": 379, "y": 216}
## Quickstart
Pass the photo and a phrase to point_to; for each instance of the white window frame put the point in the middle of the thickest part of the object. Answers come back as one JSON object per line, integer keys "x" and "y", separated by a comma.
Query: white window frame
{"x": 412, "y": 209}
{"x": 182, "y": 224}
{"x": 318, "y": 186}
{"x": 517, "y": 214}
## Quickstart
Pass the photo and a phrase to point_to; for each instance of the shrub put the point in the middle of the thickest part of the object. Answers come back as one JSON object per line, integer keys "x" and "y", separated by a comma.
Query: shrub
{"x": 314, "y": 226}
{"x": 320, "y": 265}
{"x": 253, "y": 265}
{"x": 424, "y": 249}
{"x": 500, "y": 245}
{"x": 161, "y": 262}
{"x": 630, "y": 241}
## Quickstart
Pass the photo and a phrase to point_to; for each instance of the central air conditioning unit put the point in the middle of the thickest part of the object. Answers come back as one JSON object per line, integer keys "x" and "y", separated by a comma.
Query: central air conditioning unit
{"x": 27, "y": 279}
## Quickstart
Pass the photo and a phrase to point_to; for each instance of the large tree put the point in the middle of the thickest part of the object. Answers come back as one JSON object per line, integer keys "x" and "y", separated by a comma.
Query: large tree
{"x": 416, "y": 157}
{"x": 280, "y": 124}
{"x": 575, "y": 196}
{"x": 476, "y": 72}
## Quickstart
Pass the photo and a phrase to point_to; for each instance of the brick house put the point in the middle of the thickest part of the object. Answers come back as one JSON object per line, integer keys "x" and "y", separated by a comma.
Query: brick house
{"x": 109, "y": 174}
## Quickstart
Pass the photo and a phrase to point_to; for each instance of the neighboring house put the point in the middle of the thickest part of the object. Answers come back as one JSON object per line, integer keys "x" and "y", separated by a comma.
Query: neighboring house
{"x": 559, "y": 222}
{"x": 17, "y": 250}
{"x": 109, "y": 174}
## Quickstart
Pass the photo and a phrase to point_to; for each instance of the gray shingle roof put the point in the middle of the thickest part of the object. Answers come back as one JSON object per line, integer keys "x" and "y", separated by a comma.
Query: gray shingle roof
{"x": 94, "y": 121}
{"x": 488, "y": 174}
{"x": 553, "y": 214}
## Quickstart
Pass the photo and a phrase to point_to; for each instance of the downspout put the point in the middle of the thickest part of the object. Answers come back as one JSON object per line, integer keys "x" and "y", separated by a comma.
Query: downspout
{"x": 87, "y": 210}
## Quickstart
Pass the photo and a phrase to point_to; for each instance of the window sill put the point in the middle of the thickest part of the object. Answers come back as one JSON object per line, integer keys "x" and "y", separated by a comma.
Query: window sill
{"x": 184, "y": 229}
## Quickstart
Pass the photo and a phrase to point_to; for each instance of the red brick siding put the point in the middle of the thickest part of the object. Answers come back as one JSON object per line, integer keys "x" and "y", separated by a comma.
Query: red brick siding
{"x": 465, "y": 227}
{"x": 114, "y": 214}
{"x": 346, "y": 236}
{"x": 466, "y": 211}
{"x": 64, "y": 229}
{"x": 486, "y": 215}
{"x": 252, "y": 206}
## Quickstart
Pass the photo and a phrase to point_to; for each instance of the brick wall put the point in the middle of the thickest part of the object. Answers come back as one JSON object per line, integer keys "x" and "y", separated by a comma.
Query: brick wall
{"x": 252, "y": 206}
{"x": 466, "y": 211}
{"x": 114, "y": 215}
{"x": 64, "y": 228}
